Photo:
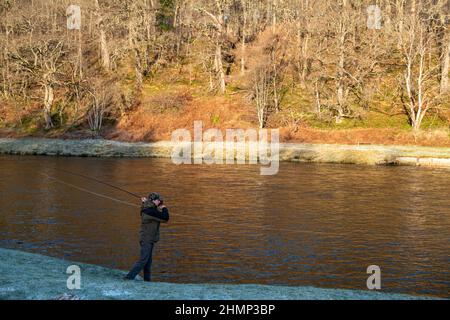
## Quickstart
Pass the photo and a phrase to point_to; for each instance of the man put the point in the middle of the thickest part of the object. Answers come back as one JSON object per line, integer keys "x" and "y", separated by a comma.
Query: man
{"x": 153, "y": 212}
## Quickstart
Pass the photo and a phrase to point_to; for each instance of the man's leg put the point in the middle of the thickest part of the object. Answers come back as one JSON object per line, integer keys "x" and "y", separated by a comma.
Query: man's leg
{"x": 148, "y": 266}
{"x": 146, "y": 250}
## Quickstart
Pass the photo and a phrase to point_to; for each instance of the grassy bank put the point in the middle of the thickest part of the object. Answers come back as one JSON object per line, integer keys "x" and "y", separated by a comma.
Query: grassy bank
{"x": 42, "y": 278}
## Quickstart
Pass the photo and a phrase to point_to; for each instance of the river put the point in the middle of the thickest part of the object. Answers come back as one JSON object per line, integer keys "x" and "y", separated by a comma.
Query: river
{"x": 310, "y": 225}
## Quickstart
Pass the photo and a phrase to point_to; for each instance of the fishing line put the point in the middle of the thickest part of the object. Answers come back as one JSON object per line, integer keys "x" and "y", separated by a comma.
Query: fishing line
{"x": 95, "y": 193}
{"x": 114, "y": 199}
{"x": 99, "y": 181}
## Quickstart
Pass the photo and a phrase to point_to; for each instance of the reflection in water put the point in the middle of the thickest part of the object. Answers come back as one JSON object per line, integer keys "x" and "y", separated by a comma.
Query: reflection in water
{"x": 319, "y": 225}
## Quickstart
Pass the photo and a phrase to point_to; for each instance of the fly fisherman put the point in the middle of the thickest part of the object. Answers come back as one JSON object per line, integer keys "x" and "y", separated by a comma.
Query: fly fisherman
{"x": 153, "y": 212}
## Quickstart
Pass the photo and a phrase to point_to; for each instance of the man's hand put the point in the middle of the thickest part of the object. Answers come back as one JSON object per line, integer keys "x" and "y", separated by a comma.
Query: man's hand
{"x": 143, "y": 199}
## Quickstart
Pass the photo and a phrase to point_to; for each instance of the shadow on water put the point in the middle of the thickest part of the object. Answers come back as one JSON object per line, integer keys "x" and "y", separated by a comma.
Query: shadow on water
{"x": 318, "y": 225}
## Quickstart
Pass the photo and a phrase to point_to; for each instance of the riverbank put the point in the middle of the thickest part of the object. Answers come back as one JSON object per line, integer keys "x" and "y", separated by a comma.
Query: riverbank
{"x": 44, "y": 278}
{"x": 317, "y": 153}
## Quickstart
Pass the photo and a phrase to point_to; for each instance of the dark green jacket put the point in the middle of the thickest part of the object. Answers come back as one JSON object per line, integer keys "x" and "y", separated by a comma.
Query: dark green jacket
{"x": 151, "y": 218}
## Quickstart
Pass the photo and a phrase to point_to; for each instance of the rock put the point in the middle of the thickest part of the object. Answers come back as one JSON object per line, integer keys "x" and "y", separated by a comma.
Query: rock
{"x": 66, "y": 296}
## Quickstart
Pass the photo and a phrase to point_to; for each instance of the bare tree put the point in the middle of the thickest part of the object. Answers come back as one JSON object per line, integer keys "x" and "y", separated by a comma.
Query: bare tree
{"x": 97, "y": 109}
{"x": 416, "y": 37}
{"x": 42, "y": 62}
{"x": 261, "y": 89}
{"x": 218, "y": 19}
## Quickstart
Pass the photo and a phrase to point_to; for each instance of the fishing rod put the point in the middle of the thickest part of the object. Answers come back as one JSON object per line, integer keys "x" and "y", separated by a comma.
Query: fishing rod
{"x": 89, "y": 191}
{"x": 99, "y": 181}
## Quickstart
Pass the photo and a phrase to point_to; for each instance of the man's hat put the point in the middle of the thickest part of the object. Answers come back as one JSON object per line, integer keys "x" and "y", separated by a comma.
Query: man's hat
{"x": 155, "y": 196}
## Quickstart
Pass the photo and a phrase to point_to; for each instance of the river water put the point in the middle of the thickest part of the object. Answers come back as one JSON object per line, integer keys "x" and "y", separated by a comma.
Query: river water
{"x": 309, "y": 225}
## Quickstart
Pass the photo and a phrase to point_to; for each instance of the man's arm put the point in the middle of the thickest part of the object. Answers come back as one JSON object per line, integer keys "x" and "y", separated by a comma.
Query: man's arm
{"x": 162, "y": 216}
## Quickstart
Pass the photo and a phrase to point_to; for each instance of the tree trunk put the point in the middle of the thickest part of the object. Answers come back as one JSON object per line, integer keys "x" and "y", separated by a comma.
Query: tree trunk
{"x": 244, "y": 26}
{"x": 48, "y": 102}
{"x": 276, "y": 102}
{"x": 6, "y": 85}
{"x": 150, "y": 30}
{"x": 305, "y": 58}
{"x": 318, "y": 103}
{"x": 261, "y": 90}
{"x": 139, "y": 55}
{"x": 341, "y": 67}
{"x": 388, "y": 15}
{"x": 80, "y": 54}
{"x": 219, "y": 68}
{"x": 400, "y": 14}
{"x": 138, "y": 71}
{"x": 274, "y": 14}
{"x": 445, "y": 87}
{"x": 340, "y": 84}
{"x": 104, "y": 52}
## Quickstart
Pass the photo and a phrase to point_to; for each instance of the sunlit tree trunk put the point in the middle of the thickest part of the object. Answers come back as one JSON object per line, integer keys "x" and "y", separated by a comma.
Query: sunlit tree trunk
{"x": 244, "y": 34}
{"x": 341, "y": 73}
{"x": 104, "y": 52}
{"x": 444, "y": 85}
{"x": 48, "y": 103}
{"x": 219, "y": 68}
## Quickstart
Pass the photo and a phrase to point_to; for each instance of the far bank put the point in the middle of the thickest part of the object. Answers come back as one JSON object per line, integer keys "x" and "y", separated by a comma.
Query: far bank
{"x": 300, "y": 152}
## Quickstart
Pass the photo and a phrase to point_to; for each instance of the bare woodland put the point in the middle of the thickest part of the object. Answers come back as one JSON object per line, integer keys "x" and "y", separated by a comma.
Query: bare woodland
{"x": 341, "y": 56}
